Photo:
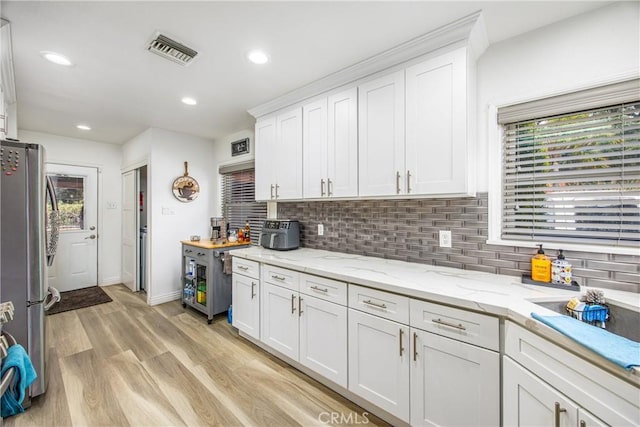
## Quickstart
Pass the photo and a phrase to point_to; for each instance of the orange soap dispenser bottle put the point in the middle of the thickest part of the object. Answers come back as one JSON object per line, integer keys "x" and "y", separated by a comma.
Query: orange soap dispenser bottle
{"x": 541, "y": 267}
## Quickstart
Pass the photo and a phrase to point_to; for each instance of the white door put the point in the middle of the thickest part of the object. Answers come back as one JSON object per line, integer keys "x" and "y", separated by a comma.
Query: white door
{"x": 342, "y": 152}
{"x": 528, "y": 401}
{"x": 314, "y": 139}
{"x": 381, "y": 134}
{"x": 129, "y": 230}
{"x": 245, "y": 300}
{"x": 280, "y": 319}
{"x": 288, "y": 155}
{"x": 379, "y": 362}
{"x": 323, "y": 338}
{"x": 447, "y": 375}
{"x": 75, "y": 265}
{"x": 436, "y": 125}
{"x": 265, "y": 140}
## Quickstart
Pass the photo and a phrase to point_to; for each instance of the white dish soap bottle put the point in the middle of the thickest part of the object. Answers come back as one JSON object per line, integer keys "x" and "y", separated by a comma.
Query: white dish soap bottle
{"x": 561, "y": 270}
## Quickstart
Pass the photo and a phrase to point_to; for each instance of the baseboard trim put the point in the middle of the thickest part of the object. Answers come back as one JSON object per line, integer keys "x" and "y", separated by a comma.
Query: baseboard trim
{"x": 110, "y": 281}
{"x": 161, "y": 299}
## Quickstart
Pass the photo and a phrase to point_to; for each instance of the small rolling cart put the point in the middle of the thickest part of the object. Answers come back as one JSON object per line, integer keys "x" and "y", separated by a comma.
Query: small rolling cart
{"x": 206, "y": 276}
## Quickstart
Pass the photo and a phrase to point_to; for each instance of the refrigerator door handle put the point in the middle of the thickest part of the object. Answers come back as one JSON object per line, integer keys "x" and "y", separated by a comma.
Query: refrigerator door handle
{"x": 55, "y": 297}
{"x": 53, "y": 223}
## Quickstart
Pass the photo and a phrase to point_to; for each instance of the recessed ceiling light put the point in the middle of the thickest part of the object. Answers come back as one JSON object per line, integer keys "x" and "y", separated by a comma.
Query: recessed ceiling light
{"x": 189, "y": 101}
{"x": 258, "y": 57}
{"x": 56, "y": 58}
{"x": 83, "y": 127}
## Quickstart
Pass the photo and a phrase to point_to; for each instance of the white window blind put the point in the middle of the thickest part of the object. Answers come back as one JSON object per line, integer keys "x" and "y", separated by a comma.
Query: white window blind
{"x": 573, "y": 177}
{"x": 239, "y": 201}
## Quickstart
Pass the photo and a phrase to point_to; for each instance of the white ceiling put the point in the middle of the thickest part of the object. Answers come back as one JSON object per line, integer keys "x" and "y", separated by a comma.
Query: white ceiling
{"x": 120, "y": 89}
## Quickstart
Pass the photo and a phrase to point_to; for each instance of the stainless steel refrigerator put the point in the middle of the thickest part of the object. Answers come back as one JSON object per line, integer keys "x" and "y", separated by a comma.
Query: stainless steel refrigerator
{"x": 28, "y": 235}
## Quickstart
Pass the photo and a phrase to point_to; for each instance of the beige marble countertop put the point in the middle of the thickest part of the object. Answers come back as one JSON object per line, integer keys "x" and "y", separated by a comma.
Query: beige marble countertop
{"x": 494, "y": 294}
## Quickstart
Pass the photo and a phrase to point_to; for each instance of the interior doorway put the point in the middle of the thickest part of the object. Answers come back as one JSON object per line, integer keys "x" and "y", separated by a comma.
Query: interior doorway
{"x": 135, "y": 229}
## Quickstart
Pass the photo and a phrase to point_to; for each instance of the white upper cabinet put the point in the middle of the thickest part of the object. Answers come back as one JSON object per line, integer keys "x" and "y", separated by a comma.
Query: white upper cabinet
{"x": 342, "y": 144}
{"x": 278, "y": 156}
{"x": 330, "y": 146}
{"x": 436, "y": 125}
{"x": 381, "y": 145}
{"x": 405, "y": 128}
{"x": 265, "y": 142}
{"x": 314, "y": 148}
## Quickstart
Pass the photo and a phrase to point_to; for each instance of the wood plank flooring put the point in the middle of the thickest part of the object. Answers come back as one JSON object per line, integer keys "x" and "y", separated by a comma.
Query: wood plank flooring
{"x": 124, "y": 363}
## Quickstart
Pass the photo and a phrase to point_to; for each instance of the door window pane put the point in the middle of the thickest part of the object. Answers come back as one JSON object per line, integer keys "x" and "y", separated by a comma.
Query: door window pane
{"x": 70, "y": 194}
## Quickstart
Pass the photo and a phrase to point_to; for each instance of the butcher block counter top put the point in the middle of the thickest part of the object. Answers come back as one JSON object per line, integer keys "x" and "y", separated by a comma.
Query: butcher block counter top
{"x": 208, "y": 244}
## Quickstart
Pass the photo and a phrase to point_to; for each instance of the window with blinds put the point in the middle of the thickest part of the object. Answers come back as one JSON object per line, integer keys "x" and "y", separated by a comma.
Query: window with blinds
{"x": 573, "y": 177}
{"x": 239, "y": 202}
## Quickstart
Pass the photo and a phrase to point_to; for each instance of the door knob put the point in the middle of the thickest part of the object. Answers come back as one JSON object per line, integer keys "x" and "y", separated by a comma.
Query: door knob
{"x": 92, "y": 228}
{"x": 93, "y": 236}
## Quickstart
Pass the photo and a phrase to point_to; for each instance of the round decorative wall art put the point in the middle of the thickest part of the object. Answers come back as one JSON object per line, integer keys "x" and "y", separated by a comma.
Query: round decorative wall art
{"x": 185, "y": 188}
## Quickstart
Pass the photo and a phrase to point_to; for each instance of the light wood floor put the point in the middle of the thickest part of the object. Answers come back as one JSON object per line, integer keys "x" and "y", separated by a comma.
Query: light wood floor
{"x": 125, "y": 363}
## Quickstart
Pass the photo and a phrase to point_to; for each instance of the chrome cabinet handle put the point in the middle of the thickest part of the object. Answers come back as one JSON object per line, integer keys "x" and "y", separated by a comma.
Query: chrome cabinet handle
{"x": 201, "y": 253}
{"x": 93, "y": 236}
{"x": 415, "y": 348}
{"x": 556, "y": 412}
{"x": 369, "y": 302}
{"x": 272, "y": 191}
{"x": 322, "y": 188}
{"x": 315, "y": 288}
{"x": 293, "y": 303}
{"x": 188, "y": 251}
{"x": 408, "y": 181}
{"x": 401, "y": 347}
{"x": 299, "y": 306}
{"x": 243, "y": 267}
{"x": 329, "y": 187}
{"x": 442, "y": 322}
{"x": 273, "y": 276}
{"x": 397, "y": 182}
{"x": 253, "y": 286}
{"x": 277, "y": 187}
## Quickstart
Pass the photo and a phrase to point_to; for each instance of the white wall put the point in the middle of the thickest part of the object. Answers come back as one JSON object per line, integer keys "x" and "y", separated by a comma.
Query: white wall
{"x": 590, "y": 49}
{"x": 222, "y": 156}
{"x": 107, "y": 158}
{"x": 170, "y": 220}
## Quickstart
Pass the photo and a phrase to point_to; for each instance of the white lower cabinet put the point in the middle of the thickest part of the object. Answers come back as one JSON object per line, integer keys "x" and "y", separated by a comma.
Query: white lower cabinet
{"x": 529, "y": 401}
{"x": 453, "y": 383}
{"x": 280, "y": 319}
{"x": 245, "y": 300}
{"x": 305, "y": 328}
{"x": 323, "y": 338}
{"x": 379, "y": 362}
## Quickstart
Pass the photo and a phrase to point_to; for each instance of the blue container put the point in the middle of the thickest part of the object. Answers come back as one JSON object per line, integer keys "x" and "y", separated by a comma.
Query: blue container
{"x": 230, "y": 315}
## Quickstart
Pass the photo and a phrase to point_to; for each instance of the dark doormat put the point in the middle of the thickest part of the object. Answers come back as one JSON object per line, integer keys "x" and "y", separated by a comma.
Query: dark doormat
{"x": 80, "y": 298}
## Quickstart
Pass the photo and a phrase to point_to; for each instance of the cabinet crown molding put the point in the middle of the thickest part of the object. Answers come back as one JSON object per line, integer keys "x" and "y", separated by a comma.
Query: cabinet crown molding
{"x": 469, "y": 29}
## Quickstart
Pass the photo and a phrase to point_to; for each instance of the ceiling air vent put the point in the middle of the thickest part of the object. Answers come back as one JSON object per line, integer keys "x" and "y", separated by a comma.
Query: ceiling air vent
{"x": 171, "y": 49}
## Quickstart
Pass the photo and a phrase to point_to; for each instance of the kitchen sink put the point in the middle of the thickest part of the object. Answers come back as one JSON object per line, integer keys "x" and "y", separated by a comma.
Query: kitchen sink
{"x": 622, "y": 321}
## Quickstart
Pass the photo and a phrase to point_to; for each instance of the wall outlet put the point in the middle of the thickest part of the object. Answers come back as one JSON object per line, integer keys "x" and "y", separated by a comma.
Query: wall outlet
{"x": 445, "y": 238}
{"x": 167, "y": 211}
{"x": 320, "y": 229}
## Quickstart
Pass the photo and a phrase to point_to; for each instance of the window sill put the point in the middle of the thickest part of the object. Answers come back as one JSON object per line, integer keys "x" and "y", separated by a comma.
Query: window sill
{"x": 567, "y": 247}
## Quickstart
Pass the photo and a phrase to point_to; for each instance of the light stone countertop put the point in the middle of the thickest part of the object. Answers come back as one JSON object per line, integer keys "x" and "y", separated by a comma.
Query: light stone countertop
{"x": 494, "y": 294}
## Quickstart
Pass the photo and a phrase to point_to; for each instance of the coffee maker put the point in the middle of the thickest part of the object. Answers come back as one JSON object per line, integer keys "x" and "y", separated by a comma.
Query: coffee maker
{"x": 218, "y": 229}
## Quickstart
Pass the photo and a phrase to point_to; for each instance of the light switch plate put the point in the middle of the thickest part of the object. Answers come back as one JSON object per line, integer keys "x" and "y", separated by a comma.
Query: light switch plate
{"x": 445, "y": 238}
{"x": 320, "y": 229}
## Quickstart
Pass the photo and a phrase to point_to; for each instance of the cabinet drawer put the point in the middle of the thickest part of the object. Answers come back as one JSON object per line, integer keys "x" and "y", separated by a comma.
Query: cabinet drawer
{"x": 195, "y": 252}
{"x": 246, "y": 267}
{"x": 281, "y": 276}
{"x": 326, "y": 289}
{"x": 379, "y": 303}
{"x": 462, "y": 325}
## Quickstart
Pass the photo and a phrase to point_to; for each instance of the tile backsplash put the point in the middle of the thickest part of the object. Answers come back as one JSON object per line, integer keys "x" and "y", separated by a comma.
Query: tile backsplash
{"x": 407, "y": 230}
